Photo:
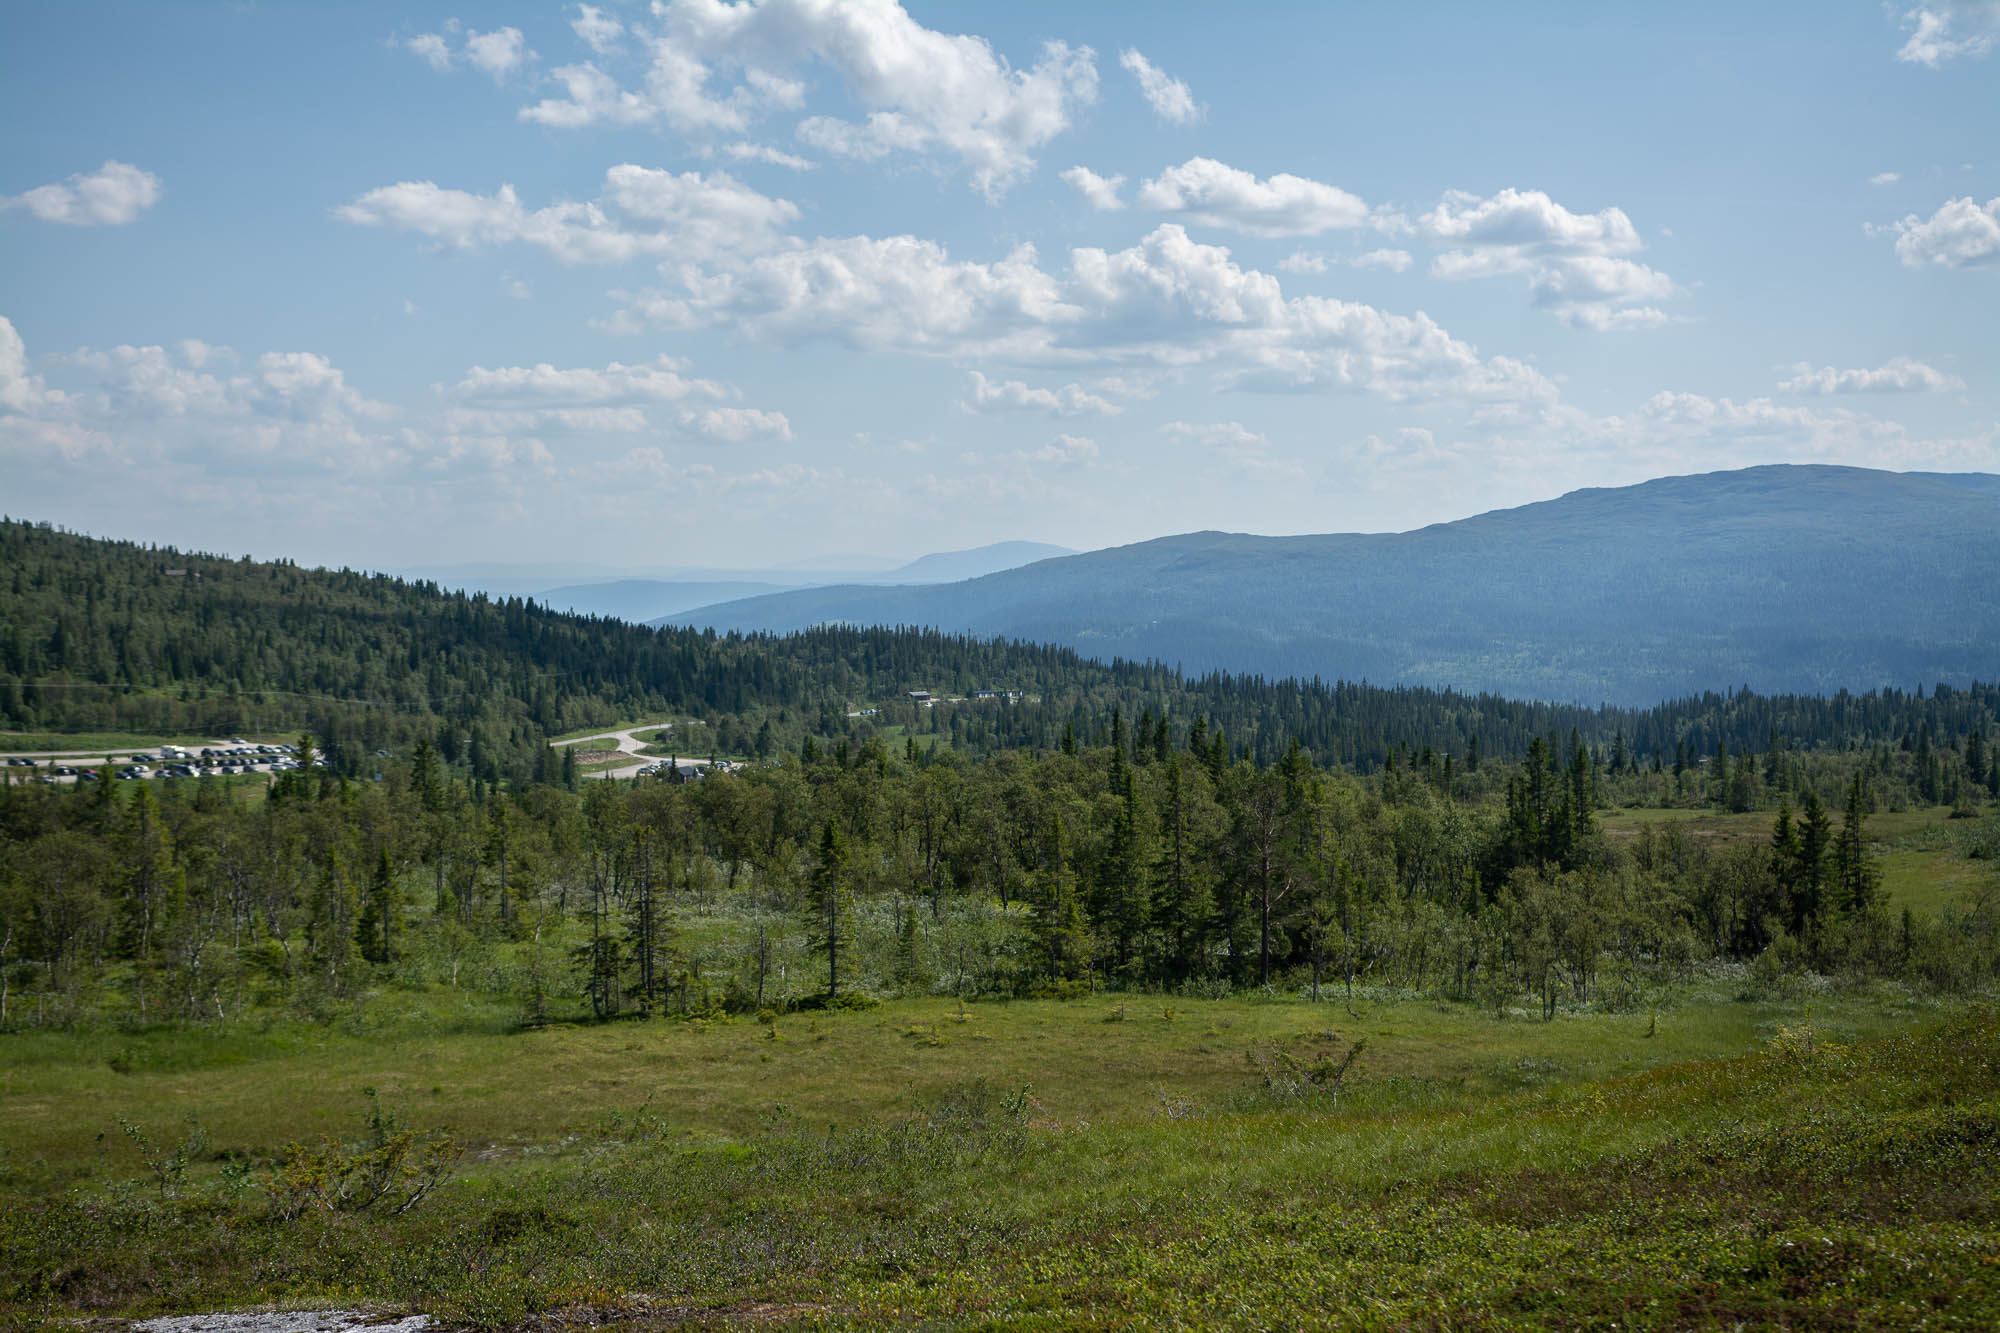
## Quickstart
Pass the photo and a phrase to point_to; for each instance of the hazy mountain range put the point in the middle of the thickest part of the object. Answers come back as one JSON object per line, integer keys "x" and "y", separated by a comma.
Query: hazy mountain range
{"x": 1782, "y": 578}
{"x": 651, "y": 594}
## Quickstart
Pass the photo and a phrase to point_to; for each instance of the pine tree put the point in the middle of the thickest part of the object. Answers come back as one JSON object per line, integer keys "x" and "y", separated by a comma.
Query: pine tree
{"x": 1181, "y": 902}
{"x": 1854, "y": 871}
{"x": 1809, "y": 889}
{"x": 427, "y": 783}
{"x": 1060, "y": 932}
{"x": 831, "y": 893}
{"x": 1119, "y": 904}
{"x": 1784, "y": 853}
{"x": 373, "y": 931}
{"x": 645, "y": 926}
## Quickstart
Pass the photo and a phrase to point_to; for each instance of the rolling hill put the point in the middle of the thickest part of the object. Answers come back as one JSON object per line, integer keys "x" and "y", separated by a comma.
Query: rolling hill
{"x": 1784, "y": 578}
{"x": 656, "y": 600}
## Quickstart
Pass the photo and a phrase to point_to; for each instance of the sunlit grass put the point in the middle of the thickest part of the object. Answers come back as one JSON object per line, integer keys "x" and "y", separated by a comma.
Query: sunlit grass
{"x": 893, "y": 1167}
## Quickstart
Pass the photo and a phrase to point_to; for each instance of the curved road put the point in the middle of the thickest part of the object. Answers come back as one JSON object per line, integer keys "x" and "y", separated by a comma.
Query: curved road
{"x": 629, "y": 746}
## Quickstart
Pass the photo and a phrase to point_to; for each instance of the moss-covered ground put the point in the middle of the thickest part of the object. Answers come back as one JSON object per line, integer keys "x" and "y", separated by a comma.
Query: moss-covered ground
{"x": 1823, "y": 1159}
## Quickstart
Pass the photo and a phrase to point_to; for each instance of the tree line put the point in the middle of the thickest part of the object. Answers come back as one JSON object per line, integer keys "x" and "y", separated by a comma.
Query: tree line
{"x": 1148, "y": 859}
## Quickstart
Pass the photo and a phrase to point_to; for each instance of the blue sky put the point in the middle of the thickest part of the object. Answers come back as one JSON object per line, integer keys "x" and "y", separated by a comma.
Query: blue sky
{"x": 733, "y": 284}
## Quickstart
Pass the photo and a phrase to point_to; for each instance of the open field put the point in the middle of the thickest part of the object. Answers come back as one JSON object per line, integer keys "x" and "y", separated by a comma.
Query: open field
{"x": 1105, "y": 1060}
{"x": 1924, "y": 866}
{"x": 1106, "y": 1162}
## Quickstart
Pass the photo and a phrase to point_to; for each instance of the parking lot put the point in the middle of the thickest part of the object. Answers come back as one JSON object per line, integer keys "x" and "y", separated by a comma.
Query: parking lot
{"x": 230, "y": 758}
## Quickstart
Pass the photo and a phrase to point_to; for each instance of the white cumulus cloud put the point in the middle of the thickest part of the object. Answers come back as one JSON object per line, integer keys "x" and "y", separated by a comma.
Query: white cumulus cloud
{"x": 1393, "y": 260}
{"x": 1071, "y": 400}
{"x": 659, "y": 212}
{"x": 1944, "y": 30}
{"x": 432, "y": 48}
{"x": 1527, "y": 221}
{"x": 737, "y": 424}
{"x": 288, "y": 412}
{"x": 1170, "y": 98}
{"x": 1219, "y": 195}
{"x": 1063, "y": 451}
{"x": 1576, "y": 263}
{"x": 1309, "y": 261}
{"x": 1961, "y": 234}
{"x": 498, "y": 53}
{"x": 715, "y": 68}
{"x": 1900, "y": 374}
{"x": 1166, "y": 302}
{"x": 599, "y": 30}
{"x": 20, "y": 391}
{"x": 1100, "y": 192}
{"x": 757, "y": 152}
{"x": 111, "y": 196}
{"x": 1215, "y": 433}
{"x": 545, "y": 385}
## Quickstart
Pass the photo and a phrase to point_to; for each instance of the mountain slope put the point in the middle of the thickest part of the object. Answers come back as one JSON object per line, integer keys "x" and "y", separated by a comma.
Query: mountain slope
{"x": 655, "y": 600}
{"x": 1782, "y": 578}
{"x": 953, "y": 566}
{"x": 647, "y": 599}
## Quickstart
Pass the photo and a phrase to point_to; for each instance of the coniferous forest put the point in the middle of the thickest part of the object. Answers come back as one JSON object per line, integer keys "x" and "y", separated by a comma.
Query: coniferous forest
{"x": 1116, "y": 827}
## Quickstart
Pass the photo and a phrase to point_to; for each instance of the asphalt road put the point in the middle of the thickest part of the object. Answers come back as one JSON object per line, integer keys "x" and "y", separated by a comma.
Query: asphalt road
{"x": 629, "y": 746}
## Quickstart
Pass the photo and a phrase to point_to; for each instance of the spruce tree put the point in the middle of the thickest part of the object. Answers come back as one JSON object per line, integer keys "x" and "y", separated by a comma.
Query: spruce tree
{"x": 1854, "y": 871}
{"x": 830, "y": 902}
{"x": 1060, "y": 932}
{"x": 1181, "y": 900}
{"x": 1809, "y": 888}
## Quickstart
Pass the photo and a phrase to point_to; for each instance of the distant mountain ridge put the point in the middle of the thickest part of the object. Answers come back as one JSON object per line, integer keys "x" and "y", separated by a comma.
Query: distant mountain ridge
{"x": 1784, "y": 578}
{"x": 955, "y": 566}
{"x": 652, "y": 595}
{"x": 647, "y": 599}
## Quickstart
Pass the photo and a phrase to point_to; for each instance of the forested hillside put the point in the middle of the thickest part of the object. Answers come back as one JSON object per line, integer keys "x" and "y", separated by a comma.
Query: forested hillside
{"x": 1781, "y": 579}
{"x": 112, "y": 635}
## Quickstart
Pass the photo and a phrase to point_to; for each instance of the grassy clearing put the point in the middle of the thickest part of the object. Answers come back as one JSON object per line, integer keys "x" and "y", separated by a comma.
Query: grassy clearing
{"x": 1105, "y": 1162}
{"x": 1720, "y": 829}
{"x": 1102, "y": 1061}
{"x": 926, "y": 740}
{"x": 1921, "y": 852}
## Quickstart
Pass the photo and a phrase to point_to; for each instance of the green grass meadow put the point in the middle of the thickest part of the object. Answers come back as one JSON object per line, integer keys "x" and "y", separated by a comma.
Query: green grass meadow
{"x": 1109, "y": 1162}
{"x": 1727, "y": 1148}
